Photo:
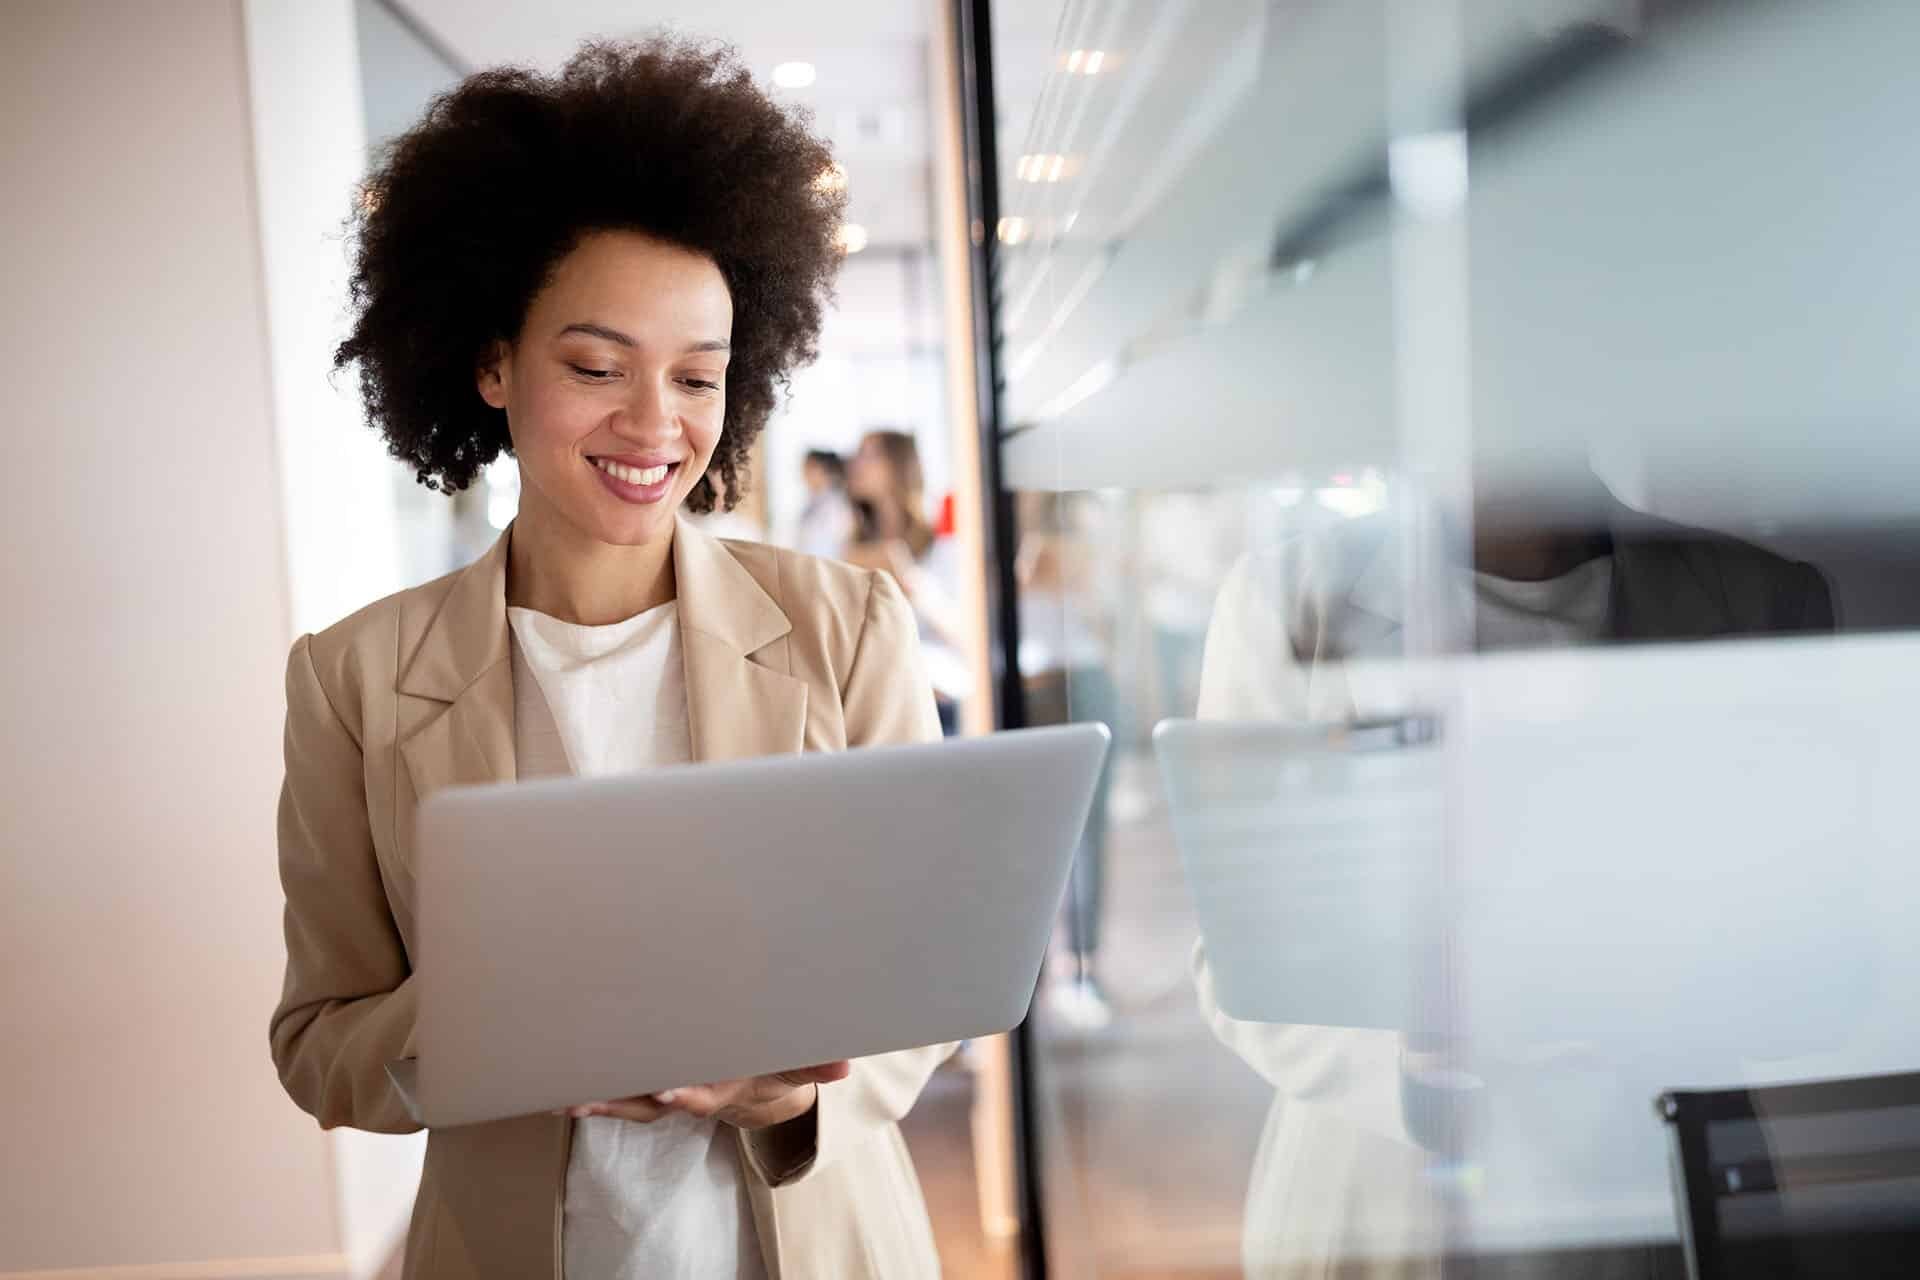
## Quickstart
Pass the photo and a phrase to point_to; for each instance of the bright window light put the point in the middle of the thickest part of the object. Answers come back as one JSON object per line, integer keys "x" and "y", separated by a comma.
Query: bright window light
{"x": 831, "y": 178}
{"x": 794, "y": 75}
{"x": 1429, "y": 172}
{"x": 502, "y": 477}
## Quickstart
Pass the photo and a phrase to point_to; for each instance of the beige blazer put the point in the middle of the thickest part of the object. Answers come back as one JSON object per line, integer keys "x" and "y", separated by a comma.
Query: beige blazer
{"x": 783, "y": 653}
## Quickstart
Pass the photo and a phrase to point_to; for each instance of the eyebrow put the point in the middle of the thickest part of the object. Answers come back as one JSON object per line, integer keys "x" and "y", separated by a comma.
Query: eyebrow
{"x": 626, "y": 340}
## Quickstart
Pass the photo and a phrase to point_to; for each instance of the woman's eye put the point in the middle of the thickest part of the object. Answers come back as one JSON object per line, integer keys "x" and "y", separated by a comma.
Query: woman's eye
{"x": 700, "y": 385}
{"x": 596, "y": 375}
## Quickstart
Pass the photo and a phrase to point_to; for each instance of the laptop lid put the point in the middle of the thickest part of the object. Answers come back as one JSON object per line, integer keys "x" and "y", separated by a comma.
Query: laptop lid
{"x": 583, "y": 939}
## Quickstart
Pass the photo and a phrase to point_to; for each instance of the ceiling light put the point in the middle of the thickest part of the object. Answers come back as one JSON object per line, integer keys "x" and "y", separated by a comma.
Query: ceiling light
{"x": 794, "y": 75}
{"x": 1012, "y": 230}
{"x": 831, "y": 178}
{"x": 1083, "y": 62}
{"x": 1044, "y": 167}
{"x": 852, "y": 237}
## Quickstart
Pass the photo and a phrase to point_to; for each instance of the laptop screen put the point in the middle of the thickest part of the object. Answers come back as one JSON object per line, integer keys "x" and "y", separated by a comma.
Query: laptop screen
{"x": 1806, "y": 1181}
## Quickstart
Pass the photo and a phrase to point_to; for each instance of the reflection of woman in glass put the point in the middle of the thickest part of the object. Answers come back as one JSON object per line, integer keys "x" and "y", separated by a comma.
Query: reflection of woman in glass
{"x": 888, "y": 487}
{"x": 1307, "y": 629}
{"x": 606, "y": 274}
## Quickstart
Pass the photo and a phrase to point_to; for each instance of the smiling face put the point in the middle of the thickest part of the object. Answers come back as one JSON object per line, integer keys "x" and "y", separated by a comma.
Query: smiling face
{"x": 615, "y": 389}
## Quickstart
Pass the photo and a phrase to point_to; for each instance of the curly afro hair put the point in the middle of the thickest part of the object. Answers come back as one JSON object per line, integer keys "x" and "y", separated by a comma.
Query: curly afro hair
{"x": 471, "y": 211}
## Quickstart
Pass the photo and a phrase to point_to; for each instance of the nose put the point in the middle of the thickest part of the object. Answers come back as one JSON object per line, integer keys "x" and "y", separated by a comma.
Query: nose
{"x": 647, "y": 416}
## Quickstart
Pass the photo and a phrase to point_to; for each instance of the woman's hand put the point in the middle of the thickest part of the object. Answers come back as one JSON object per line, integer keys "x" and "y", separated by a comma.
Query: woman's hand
{"x": 753, "y": 1103}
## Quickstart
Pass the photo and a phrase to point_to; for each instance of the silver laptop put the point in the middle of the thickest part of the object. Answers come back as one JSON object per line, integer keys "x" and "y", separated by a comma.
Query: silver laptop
{"x": 1310, "y": 850}
{"x": 585, "y": 939}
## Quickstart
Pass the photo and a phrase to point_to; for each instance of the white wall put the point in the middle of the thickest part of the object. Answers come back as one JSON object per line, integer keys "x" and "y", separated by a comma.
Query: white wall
{"x": 398, "y": 72}
{"x": 310, "y": 147}
{"x": 147, "y": 612}
{"x": 338, "y": 484}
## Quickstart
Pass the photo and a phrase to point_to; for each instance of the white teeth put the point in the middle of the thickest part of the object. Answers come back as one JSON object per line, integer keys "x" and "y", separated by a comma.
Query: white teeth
{"x": 632, "y": 475}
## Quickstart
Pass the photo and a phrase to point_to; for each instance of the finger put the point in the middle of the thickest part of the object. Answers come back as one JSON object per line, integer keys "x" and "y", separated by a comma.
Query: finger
{"x": 641, "y": 1110}
{"x": 701, "y": 1100}
{"x": 824, "y": 1073}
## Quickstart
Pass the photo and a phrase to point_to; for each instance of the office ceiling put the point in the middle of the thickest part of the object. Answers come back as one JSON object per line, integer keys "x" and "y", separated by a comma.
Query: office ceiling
{"x": 869, "y": 97}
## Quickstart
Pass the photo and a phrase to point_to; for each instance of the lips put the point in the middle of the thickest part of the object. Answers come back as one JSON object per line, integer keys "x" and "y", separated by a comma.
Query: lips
{"x": 637, "y": 481}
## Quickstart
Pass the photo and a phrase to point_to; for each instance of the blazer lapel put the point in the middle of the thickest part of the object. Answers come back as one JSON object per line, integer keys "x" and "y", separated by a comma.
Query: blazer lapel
{"x": 733, "y": 648}
{"x": 457, "y": 690}
{"x": 460, "y": 678}
{"x": 470, "y": 741}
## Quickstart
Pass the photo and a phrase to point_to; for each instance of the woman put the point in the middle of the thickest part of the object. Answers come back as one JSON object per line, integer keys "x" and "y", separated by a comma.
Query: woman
{"x": 887, "y": 486}
{"x": 605, "y": 273}
{"x": 1066, "y": 676}
{"x": 825, "y": 526}
{"x": 1309, "y": 630}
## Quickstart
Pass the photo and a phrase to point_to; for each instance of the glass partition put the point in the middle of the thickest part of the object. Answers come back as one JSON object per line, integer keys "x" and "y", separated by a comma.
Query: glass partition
{"x": 1464, "y": 449}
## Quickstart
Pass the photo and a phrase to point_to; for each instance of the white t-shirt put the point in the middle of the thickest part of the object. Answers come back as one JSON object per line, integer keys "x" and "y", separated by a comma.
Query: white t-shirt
{"x": 667, "y": 1198}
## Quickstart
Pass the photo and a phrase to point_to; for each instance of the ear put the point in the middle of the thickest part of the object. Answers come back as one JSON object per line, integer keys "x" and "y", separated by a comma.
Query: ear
{"x": 490, "y": 375}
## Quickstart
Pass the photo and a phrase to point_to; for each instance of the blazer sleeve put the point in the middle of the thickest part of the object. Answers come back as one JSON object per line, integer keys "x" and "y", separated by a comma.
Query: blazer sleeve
{"x": 887, "y": 701}
{"x": 347, "y": 1005}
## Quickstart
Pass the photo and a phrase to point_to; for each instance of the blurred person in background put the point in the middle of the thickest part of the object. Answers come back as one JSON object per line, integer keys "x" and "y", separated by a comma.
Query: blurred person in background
{"x": 826, "y": 523}
{"x": 606, "y": 273}
{"x": 1187, "y": 542}
{"x": 1066, "y": 676}
{"x": 1342, "y": 1183}
{"x": 887, "y": 487}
